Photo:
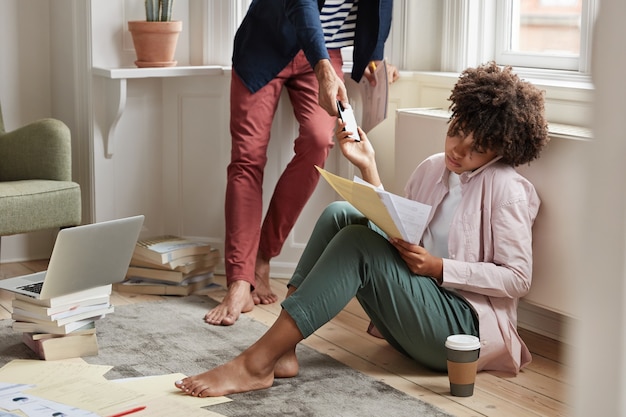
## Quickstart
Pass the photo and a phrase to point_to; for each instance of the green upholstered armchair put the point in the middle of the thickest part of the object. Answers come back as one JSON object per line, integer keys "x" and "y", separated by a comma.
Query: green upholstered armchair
{"x": 36, "y": 188}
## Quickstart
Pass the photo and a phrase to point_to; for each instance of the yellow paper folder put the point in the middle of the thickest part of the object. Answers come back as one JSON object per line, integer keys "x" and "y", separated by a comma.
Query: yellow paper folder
{"x": 397, "y": 216}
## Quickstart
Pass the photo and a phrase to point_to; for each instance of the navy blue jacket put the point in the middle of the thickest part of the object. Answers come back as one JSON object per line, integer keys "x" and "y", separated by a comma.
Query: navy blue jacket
{"x": 273, "y": 31}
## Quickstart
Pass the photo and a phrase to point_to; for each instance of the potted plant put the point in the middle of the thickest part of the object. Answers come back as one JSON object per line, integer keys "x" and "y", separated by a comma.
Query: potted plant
{"x": 155, "y": 38}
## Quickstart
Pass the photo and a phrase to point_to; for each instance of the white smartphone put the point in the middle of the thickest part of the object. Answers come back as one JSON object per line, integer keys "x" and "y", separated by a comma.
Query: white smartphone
{"x": 347, "y": 116}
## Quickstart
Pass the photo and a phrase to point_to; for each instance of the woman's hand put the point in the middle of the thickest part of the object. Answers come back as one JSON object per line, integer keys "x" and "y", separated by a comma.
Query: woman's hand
{"x": 360, "y": 153}
{"x": 419, "y": 260}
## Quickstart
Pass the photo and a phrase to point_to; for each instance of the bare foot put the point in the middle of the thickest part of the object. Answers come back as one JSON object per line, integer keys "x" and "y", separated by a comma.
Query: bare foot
{"x": 237, "y": 300}
{"x": 254, "y": 369}
{"x": 262, "y": 293}
{"x": 287, "y": 366}
{"x": 239, "y": 375}
{"x": 235, "y": 376}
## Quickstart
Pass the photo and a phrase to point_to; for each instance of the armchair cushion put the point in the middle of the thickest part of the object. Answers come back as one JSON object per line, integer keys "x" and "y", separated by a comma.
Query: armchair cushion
{"x": 36, "y": 189}
{"x": 30, "y": 205}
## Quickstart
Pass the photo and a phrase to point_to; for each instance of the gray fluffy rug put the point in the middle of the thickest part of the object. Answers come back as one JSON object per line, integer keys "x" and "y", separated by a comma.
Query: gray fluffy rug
{"x": 169, "y": 336}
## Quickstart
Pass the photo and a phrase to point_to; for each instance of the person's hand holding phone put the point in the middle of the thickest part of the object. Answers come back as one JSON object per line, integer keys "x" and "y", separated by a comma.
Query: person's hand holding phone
{"x": 346, "y": 114}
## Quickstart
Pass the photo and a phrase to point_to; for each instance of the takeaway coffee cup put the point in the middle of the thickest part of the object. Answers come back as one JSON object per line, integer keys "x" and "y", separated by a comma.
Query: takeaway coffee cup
{"x": 463, "y": 351}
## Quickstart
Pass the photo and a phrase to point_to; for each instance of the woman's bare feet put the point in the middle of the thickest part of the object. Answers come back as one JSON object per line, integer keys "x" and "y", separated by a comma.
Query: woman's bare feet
{"x": 274, "y": 354}
{"x": 235, "y": 376}
{"x": 262, "y": 293}
{"x": 242, "y": 374}
{"x": 237, "y": 300}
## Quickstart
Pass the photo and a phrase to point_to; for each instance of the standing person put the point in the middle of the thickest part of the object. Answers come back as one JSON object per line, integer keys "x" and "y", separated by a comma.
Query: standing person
{"x": 283, "y": 44}
{"x": 467, "y": 275}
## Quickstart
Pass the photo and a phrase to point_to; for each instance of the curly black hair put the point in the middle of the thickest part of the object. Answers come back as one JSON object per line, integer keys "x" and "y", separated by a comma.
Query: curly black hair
{"x": 504, "y": 113}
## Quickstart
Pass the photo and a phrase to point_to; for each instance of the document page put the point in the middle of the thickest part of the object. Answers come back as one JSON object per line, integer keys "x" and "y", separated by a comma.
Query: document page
{"x": 410, "y": 216}
{"x": 397, "y": 216}
{"x": 374, "y": 98}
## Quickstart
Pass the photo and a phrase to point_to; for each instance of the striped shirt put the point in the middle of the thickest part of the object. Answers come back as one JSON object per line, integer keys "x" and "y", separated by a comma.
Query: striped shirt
{"x": 338, "y": 22}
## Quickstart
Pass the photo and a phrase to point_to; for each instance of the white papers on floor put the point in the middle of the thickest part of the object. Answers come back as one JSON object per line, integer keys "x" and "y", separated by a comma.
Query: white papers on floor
{"x": 74, "y": 388}
{"x": 13, "y": 398}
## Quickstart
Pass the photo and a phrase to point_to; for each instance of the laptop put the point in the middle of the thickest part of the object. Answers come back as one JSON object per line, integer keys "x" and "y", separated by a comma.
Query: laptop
{"x": 83, "y": 257}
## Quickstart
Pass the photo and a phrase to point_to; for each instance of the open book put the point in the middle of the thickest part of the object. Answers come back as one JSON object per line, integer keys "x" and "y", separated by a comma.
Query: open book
{"x": 397, "y": 216}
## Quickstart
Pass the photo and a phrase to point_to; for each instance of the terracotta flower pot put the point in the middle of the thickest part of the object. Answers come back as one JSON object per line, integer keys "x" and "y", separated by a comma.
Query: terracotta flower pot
{"x": 155, "y": 42}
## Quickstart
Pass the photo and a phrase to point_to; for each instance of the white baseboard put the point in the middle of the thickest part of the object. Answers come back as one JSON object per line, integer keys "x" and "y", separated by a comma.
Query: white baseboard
{"x": 27, "y": 246}
{"x": 544, "y": 322}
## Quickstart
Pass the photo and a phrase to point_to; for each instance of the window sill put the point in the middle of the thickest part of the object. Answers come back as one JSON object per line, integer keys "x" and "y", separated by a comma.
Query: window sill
{"x": 568, "y": 97}
{"x": 134, "y": 72}
{"x": 540, "y": 78}
{"x": 559, "y": 130}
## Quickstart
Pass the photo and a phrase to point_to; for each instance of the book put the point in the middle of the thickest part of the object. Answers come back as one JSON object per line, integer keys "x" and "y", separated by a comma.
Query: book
{"x": 145, "y": 286}
{"x": 55, "y": 347}
{"x": 397, "y": 216}
{"x": 67, "y": 298}
{"x": 82, "y": 330}
{"x": 184, "y": 264}
{"x": 164, "y": 249}
{"x": 44, "y": 311}
{"x": 58, "y": 322}
{"x": 31, "y": 327}
{"x": 69, "y": 313}
{"x": 166, "y": 276}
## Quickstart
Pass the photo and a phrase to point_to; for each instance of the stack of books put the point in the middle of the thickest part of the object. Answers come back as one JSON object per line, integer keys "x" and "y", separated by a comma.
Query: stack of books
{"x": 170, "y": 265}
{"x": 62, "y": 327}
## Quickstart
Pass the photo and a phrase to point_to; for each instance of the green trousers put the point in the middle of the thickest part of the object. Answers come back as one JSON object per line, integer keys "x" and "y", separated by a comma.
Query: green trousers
{"x": 349, "y": 256}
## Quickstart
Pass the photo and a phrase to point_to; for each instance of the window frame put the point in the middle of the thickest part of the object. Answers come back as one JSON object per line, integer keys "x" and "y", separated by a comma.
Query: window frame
{"x": 504, "y": 23}
{"x": 473, "y": 34}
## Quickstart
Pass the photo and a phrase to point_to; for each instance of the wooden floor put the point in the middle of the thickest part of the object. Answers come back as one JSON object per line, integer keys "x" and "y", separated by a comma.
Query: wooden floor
{"x": 539, "y": 390}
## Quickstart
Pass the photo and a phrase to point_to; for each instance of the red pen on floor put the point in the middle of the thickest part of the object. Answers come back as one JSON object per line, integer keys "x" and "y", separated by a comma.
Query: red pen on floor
{"x": 127, "y": 412}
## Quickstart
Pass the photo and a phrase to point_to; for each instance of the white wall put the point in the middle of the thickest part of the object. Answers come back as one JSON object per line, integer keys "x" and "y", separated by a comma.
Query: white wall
{"x": 25, "y": 63}
{"x": 25, "y": 91}
{"x": 599, "y": 356}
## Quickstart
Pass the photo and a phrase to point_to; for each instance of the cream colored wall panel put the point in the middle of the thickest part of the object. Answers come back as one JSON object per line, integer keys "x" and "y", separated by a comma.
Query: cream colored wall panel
{"x": 204, "y": 158}
{"x": 130, "y": 182}
{"x": 196, "y": 151}
{"x": 417, "y": 137}
{"x": 556, "y": 233}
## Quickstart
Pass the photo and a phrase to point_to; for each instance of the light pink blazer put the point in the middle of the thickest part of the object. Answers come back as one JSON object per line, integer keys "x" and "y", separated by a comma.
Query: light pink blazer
{"x": 490, "y": 248}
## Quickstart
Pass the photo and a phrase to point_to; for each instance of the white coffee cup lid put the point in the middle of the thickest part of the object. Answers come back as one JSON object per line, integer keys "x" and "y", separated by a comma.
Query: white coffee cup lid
{"x": 462, "y": 342}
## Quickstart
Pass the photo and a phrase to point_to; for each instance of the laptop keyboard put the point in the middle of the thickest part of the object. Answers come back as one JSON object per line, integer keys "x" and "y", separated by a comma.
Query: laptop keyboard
{"x": 35, "y": 288}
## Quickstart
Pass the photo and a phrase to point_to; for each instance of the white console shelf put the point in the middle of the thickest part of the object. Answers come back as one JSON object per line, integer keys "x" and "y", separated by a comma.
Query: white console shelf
{"x": 115, "y": 89}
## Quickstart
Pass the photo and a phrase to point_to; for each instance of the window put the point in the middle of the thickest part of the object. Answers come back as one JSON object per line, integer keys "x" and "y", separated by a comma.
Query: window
{"x": 546, "y": 34}
{"x": 547, "y": 38}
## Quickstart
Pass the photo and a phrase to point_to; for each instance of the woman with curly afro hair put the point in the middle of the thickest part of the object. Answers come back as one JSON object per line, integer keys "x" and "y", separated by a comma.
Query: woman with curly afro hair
{"x": 466, "y": 276}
